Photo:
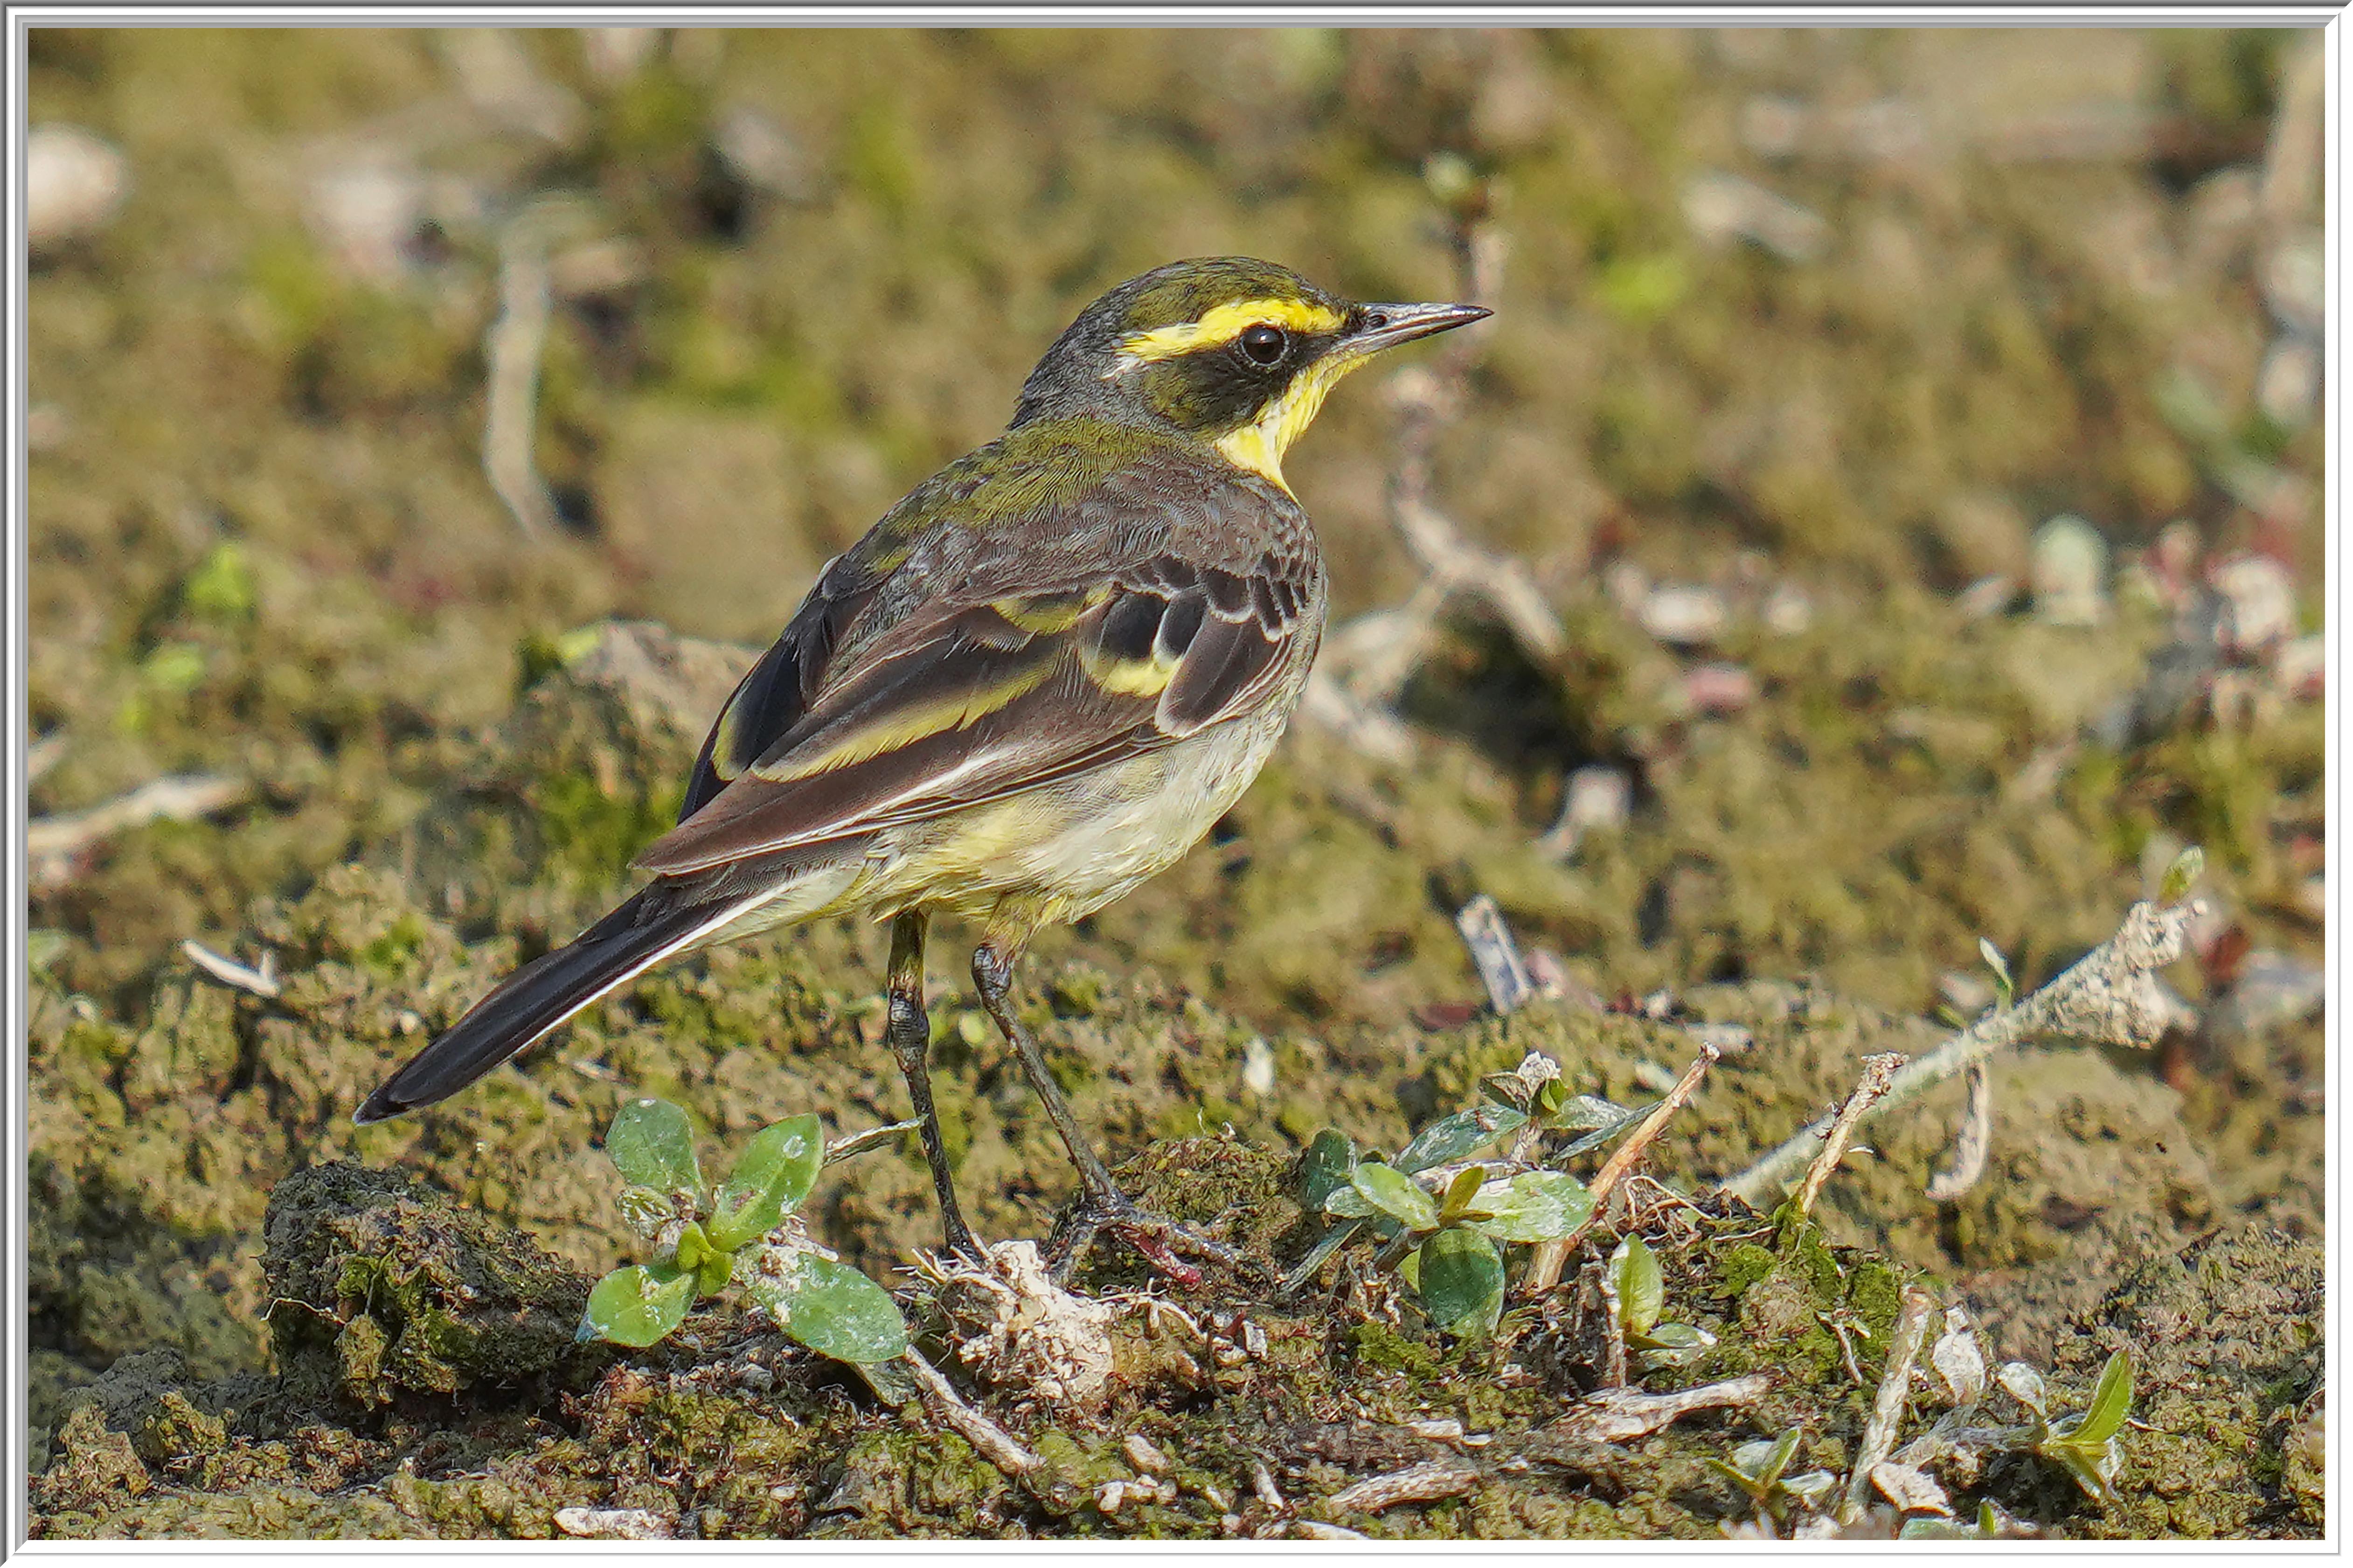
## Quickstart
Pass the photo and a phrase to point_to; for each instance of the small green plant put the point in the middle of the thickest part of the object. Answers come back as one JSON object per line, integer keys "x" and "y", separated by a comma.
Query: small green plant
{"x": 706, "y": 1236}
{"x": 1446, "y": 1236}
{"x": 1641, "y": 1292}
{"x": 2084, "y": 1445}
{"x": 1758, "y": 1470}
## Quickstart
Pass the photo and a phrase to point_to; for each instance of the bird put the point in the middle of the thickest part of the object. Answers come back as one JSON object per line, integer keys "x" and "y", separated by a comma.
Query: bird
{"x": 1038, "y": 681}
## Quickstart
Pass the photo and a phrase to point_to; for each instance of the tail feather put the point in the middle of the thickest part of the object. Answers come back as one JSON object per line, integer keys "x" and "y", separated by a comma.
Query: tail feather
{"x": 542, "y": 995}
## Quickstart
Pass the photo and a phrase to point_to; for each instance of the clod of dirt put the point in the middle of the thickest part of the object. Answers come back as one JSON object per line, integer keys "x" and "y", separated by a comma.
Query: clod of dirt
{"x": 377, "y": 1293}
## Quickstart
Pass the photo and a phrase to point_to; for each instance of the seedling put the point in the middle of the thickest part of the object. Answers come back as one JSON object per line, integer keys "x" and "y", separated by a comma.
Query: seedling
{"x": 2084, "y": 1446}
{"x": 1641, "y": 1292}
{"x": 1445, "y": 1242}
{"x": 1757, "y": 1470}
{"x": 706, "y": 1236}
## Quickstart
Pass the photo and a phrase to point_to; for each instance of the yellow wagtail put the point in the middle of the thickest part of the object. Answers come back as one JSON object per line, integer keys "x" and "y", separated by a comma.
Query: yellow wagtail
{"x": 1038, "y": 681}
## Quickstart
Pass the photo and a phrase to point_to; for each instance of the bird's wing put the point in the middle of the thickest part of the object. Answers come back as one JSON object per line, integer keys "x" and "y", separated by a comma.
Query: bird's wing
{"x": 982, "y": 691}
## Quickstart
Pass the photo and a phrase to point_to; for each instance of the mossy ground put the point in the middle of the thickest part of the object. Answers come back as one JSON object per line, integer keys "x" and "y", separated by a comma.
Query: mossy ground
{"x": 261, "y": 545}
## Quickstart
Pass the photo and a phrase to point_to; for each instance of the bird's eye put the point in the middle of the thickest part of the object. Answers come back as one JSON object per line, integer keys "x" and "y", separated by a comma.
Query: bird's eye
{"x": 1264, "y": 344}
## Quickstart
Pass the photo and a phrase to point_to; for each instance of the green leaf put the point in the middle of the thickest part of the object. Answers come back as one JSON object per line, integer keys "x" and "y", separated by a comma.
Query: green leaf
{"x": 1584, "y": 1112}
{"x": 1392, "y": 1192}
{"x": 221, "y": 587}
{"x": 893, "y": 1381}
{"x": 1995, "y": 962}
{"x": 774, "y": 1173}
{"x": 639, "y": 1305}
{"x": 1324, "y": 1169}
{"x": 646, "y": 1210}
{"x": 2094, "y": 1467}
{"x": 2111, "y": 1403}
{"x": 1450, "y": 1138}
{"x": 651, "y": 1144}
{"x": 1642, "y": 1289}
{"x": 1347, "y": 1203}
{"x": 1462, "y": 1281}
{"x": 1764, "y": 1460}
{"x": 1461, "y": 1195}
{"x": 693, "y": 1246}
{"x": 1334, "y": 1239}
{"x": 1535, "y": 1206}
{"x": 832, "y": 1307}
{"x": 1672, "y": 1344}
{"x": 2182, "y": 876}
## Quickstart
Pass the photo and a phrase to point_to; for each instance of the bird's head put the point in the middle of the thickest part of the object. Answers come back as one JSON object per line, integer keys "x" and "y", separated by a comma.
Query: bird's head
{"x": 1232, "y": 351}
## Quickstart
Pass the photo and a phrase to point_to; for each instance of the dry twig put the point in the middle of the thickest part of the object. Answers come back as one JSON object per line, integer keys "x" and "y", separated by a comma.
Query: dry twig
{"x": 516, "y": 340}
{"x": 1976, "y": 1140}
{"x": 942, "y": 1400}
{"x": 1623, "y": 1415}
{"x": 1878, "y": 1072}
{"x": 1544, "y": 1266}
{"x": 52, "y": 843}
{"x": 1887, "y": 1407}
{"x": 2111, "y": 996}
{"x": 1429, "y": 1482}
{"x": 262, "y": 981}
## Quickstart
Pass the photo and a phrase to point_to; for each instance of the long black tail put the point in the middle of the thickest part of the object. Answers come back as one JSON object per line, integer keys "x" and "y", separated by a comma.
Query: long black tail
{"x": 542, "y": 995}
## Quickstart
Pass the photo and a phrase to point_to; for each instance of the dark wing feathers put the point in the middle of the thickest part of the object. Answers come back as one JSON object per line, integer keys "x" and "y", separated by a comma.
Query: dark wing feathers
{"x": 973, "y": 701}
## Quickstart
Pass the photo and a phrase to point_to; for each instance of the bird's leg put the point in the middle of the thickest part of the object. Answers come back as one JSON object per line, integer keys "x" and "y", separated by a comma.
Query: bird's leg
{"x": 1101, "y": 1206}
{"x": 910, "y": 1034}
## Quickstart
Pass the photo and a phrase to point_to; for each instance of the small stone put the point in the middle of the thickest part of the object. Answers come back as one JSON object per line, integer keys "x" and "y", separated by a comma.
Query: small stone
{"x": 1986, "y": 597}
{"x": 1440, "y": 1429}
{"x": 2071, "y": 574}
{"x": 2287, "y": 387}
{"x": 1788, "y": 611}
{"x": 1141, "y": 1453}
{"x": 1596, "y": 800}
{"x": 1110, "y": 1495}
{"x": 1258, "y": 1066}
{"x": 2258, "y": 603}
{"x": 1724, "y": 207}
{"x": 74, "y": 183}
{"x": 1719, "y": 690}
{"x": 2301, "y": 666}
{"x": 1682, "y": 615}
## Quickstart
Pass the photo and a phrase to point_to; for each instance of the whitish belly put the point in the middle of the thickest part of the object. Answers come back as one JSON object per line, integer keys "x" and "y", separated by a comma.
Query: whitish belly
{"x": 1075, "y": 847}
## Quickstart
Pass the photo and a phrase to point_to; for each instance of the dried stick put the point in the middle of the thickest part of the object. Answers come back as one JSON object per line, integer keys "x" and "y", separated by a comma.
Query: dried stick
{"x": 2111, "y": 996}
{"x": 1500, "y": 968}
{"x": 1887, "y": 1407}
{"x": 262, "y": 981}
{"x": 1367, "y": 661}
{"x": 1878, "y": 1072}
{"x": 1429, "y": 1482}
{"x": 994, "y": 1442}
{"x": 1976, "y": 1140}
{"x": 516, "y": 340}
{"x": 52, "y": 842}
{"x": 1544, "y": 1266}
{"x": 1622, "y": 1414}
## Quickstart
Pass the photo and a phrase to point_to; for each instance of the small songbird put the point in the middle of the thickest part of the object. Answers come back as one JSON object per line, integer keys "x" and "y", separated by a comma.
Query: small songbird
{"x": 1037, "y": 682}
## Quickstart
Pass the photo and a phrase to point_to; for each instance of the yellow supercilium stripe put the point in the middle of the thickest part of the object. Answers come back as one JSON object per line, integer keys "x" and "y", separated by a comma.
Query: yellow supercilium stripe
{"x": 1227, "y": 322}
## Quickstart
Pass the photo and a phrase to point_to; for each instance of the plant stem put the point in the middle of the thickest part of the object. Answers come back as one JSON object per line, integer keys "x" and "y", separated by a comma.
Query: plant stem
{"x": 2109, "y": 997}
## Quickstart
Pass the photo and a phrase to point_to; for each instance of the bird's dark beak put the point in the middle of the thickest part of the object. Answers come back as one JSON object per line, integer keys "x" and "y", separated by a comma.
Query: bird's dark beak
{"x": 1373, "y": 328}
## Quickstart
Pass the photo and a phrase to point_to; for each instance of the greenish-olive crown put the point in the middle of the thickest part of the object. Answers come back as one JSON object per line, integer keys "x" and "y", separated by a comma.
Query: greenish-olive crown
{"x": 1173, "y": 344}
